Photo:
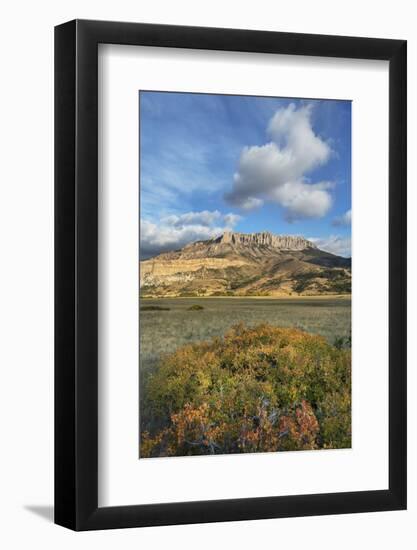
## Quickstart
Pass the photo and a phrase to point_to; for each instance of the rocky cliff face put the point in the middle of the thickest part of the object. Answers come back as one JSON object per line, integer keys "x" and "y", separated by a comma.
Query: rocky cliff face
{"x": 284, "y": 242}
{"x": 245, "y": 264}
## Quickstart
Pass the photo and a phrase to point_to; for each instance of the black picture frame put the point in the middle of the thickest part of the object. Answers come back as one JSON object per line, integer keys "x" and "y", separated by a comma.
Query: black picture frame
{"x": 76, "y": 272}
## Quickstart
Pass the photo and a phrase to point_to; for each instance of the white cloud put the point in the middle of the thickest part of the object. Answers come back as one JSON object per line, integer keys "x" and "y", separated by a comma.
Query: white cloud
{"x": 276, "y": 171}
{"x": 205, "y": 218}
{"x": 175, "y": 231}
{"x": 231, "y": 219}
{"x": 335, "y": 244}
{"x": 344, "y": 219}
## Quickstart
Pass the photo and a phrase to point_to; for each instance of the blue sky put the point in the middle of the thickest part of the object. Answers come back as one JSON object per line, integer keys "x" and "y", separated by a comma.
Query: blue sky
{"x": 210, "y": 163}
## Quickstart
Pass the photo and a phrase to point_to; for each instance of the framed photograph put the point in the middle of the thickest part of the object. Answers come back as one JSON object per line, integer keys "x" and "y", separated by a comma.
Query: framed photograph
{"x": 230, "y": 253}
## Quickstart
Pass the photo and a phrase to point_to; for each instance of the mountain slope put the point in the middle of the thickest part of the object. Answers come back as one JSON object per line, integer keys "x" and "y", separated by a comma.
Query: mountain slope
{"x": 245, "y": 265}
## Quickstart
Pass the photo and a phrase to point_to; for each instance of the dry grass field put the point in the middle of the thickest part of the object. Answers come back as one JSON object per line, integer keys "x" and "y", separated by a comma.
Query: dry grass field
{"x": 168, "y": 323}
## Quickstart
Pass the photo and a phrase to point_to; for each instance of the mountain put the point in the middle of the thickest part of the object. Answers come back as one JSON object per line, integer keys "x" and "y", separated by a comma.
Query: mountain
{"x": 255, "y": 264}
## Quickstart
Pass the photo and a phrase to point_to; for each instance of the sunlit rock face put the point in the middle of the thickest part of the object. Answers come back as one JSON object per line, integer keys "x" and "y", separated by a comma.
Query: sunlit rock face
{"x": 286, "y": 242}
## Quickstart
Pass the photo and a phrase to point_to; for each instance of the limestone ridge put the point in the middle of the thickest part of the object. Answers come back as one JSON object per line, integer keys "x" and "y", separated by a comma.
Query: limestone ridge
{"x": 284, "y": 242}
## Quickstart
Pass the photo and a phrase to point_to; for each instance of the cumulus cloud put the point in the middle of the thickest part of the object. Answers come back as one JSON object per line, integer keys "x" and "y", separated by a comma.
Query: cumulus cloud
{"x": 175, "y": 231}
{"x": 205, "y": 218}
{"x": 344, "y": 219}
{"x": 335, "y": 244}
{"x": 277, "y": 171}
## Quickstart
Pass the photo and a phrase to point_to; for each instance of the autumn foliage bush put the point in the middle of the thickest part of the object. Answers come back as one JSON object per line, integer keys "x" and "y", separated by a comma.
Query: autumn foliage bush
{"x": 256, "y": 389}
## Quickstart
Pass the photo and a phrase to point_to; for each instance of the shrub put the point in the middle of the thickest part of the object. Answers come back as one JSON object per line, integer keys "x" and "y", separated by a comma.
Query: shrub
{"x": 254, "y": 390}
{"x": 340, "y": 342}
{"x": 195, "y": 307}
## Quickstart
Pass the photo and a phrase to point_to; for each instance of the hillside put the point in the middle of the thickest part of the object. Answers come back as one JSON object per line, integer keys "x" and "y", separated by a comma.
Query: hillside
{"x": 256, "y": 264}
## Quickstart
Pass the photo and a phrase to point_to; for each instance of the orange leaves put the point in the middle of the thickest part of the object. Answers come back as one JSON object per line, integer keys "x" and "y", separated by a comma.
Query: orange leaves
{"x": 300, "y": 430}
{"x": 190, "y": 424}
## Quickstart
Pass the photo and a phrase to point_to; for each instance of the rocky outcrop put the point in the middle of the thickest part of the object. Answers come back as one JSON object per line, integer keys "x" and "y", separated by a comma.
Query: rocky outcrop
{"x": 284, "y": 242}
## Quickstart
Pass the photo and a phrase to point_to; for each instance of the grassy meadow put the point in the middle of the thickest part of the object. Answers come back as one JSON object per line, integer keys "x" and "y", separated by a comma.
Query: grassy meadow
{"x": 168, "y": 323}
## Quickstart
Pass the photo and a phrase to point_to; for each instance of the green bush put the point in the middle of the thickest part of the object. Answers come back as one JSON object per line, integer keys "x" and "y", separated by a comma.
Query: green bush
{"x": 254, "y": 390}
